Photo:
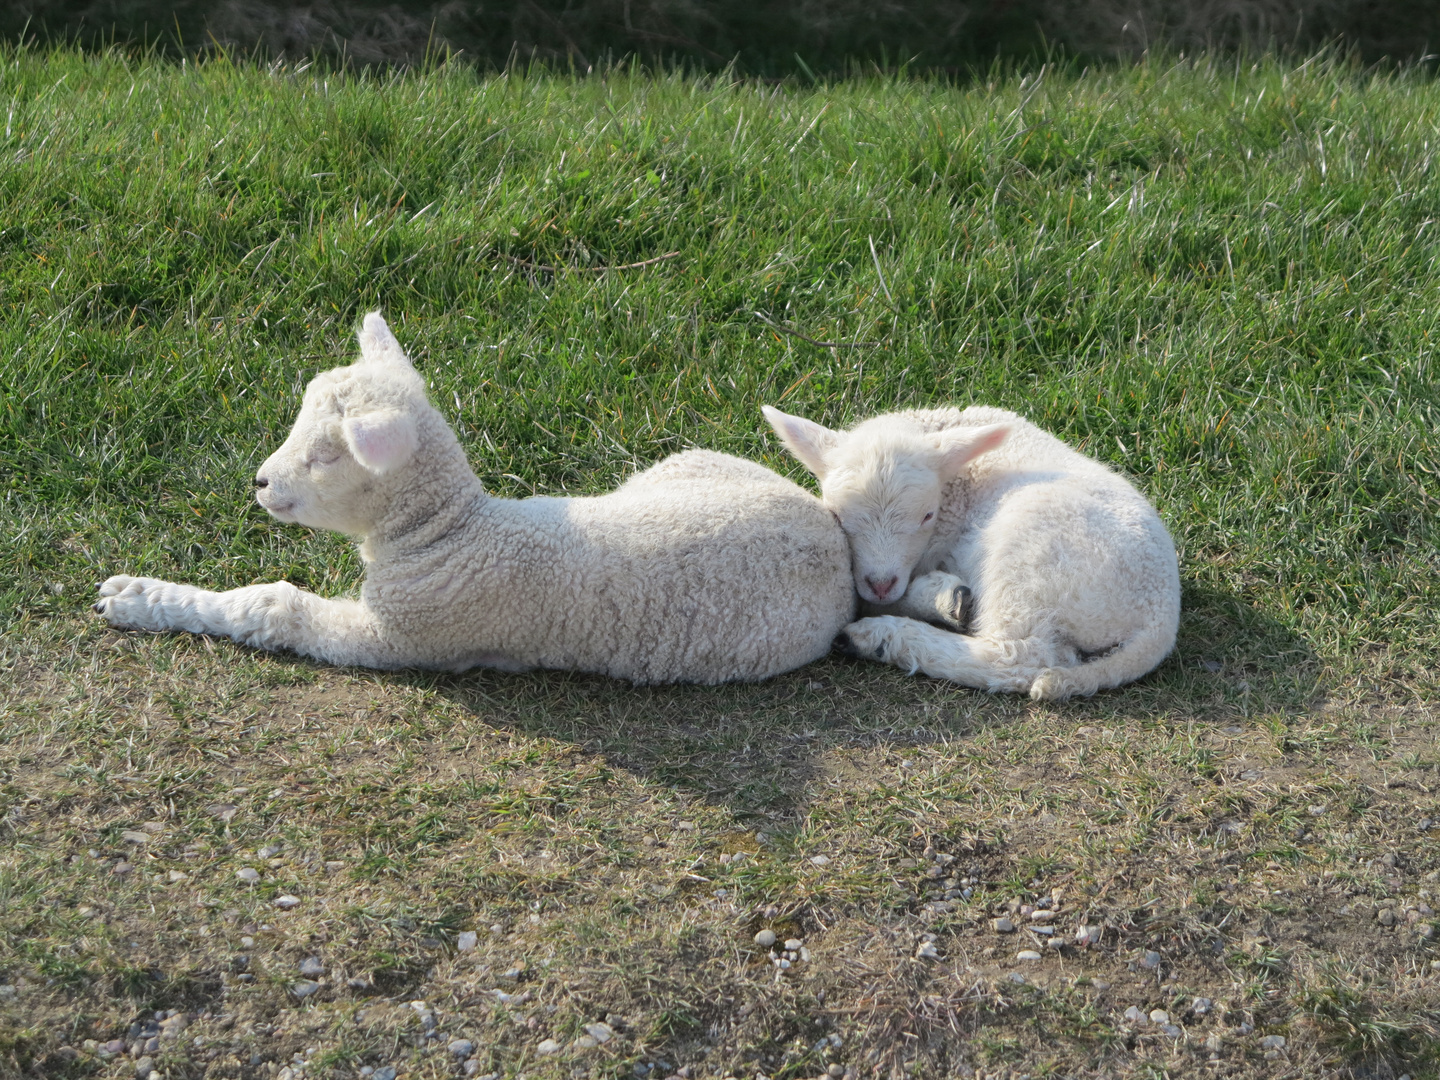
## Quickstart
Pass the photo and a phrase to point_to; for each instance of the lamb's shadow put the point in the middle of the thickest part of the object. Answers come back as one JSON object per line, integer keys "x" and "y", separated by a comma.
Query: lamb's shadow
{"x": 759, "y": 749}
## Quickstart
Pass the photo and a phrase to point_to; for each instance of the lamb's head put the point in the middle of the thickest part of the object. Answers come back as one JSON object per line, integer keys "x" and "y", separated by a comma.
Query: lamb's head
{"x": 883, "y": 480}
{"x": 358, "y": 429}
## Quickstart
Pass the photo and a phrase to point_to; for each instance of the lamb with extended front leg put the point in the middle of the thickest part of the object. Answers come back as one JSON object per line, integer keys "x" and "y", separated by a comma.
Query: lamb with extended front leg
{"x": 1048, "y": 573}
{"x": 704, "y": 568}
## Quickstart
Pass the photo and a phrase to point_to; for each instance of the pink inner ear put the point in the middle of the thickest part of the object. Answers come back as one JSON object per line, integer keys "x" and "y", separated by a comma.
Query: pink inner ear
{"x": 381, "y": 441}
{"x": 959, "y": 448}
{"x": 807, "y": 440}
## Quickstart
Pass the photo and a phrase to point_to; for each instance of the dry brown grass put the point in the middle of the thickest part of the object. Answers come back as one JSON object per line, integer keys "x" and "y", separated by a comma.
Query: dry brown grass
{"x": 587, "y": 821}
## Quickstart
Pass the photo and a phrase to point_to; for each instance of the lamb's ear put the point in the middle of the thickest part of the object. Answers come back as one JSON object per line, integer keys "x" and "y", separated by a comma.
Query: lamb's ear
{"x": 378, "y": 344}
{"x": 960, "y": 446}
{"x": 382, "y": 440}
{"x": 808, "y": 441}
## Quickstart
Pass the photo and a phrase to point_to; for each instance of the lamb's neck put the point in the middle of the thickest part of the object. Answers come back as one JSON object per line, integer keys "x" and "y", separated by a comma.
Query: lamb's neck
{"x": 953, "y": 516}
{"x": 427, "y": 514}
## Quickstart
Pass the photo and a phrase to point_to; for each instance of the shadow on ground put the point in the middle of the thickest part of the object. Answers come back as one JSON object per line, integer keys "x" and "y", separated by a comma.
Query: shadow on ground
{"x": 757, "y": 748}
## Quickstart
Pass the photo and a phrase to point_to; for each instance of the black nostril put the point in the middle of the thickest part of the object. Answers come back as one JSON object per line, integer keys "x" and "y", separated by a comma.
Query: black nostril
{"x": 261, "y": 482}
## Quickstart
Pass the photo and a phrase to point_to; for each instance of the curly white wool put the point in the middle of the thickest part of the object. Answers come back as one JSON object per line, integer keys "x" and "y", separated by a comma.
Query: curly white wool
{"x": 1074, "y": 578}
{"x": 704, "y": 568}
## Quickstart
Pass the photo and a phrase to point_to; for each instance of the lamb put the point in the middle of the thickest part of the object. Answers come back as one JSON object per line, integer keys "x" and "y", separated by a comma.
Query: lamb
{"x": 1057, "y": 573}
{"x": 704, "y": 568}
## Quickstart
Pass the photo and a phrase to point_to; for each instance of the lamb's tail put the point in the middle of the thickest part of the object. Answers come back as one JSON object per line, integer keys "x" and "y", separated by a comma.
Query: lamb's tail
{"x": 1132, "y": 658}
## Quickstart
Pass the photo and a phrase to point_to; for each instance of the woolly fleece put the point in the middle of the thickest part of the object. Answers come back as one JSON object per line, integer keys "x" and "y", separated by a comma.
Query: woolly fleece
{"x": 704, "y": 568}
{"x": 1073, "y": 576}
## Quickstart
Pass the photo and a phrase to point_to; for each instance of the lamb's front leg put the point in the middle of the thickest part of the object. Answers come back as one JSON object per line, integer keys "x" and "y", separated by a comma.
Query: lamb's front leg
{"x": 936, "y": 597}
{"x": 273, "y": 616}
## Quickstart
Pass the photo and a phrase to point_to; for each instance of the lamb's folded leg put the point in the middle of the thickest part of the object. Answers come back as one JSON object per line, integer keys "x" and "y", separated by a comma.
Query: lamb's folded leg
{"x": 913, "y": 646}
{"x": 273, "y": 616}
{"x": 936, "y": 597}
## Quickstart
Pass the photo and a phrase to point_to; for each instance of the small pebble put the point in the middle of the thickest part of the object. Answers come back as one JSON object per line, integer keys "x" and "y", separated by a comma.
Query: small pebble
{"x": 462, "y": 1048}
{"x": 1027, "y": 954}
{"x": 601, "y": 1033}
{"x": 1152, "y": 959}
{"x": 1135, "y": 1015}
{"x": 287, "y": 902}
{"x": 467, "y": 940}
{"x": 547, "y": 1046}
{"x": 1214, "y": 1043}
{"x": 820, "y": 860}
{"x": 303, "y": 988}
{"x": 1273, "y": 1042}
{"x": 1002, "y": 926}
{"x": 384, "y": 1072}
{"x": 122, "y": 868}
{"x": 585, "y": 1042}
{"x": 248, "y": 873}
{"x": 144, "y": 1067}
{"x": 765, "y": 938}
{"x": 1201, "y": 1006}
{"x": 1172, "y": 1030}
{"x": 1159, "y": 1016}
{"x": 312, "y": 966}
{"x": 174, "y": 1025}
{"x": 836, "y": 1070}
{"x": 1386, "y": 917}
{"x": 793, "y": 944}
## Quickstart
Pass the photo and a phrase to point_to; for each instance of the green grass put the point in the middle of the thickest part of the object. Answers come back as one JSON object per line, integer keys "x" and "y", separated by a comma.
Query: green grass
{"x": 1221, "y": 279}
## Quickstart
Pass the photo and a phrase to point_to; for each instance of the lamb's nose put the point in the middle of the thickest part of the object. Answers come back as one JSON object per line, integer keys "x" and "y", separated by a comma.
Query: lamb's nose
{"x": 261, "y": 482}
{"x": 881, "y": 589}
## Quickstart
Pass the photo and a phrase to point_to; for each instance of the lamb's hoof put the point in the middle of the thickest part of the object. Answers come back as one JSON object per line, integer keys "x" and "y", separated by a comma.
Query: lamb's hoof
{"x": 847, "y": 646}
{"x": 863, "y": 640}
{"x": 962, "y": 609}
{"x": 131, "y": 603}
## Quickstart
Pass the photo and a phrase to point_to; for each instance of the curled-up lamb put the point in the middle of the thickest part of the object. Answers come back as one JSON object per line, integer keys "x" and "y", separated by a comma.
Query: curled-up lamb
{"x": 704, "y": 568}
{"x": 1046, "y": 572}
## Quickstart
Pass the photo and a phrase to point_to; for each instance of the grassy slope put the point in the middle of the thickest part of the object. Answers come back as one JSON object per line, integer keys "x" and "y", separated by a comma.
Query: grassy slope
{"x": 1220, "y": 280}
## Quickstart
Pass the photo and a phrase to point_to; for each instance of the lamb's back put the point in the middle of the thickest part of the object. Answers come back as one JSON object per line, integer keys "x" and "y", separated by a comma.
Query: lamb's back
{"x": 710, "y": 568}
